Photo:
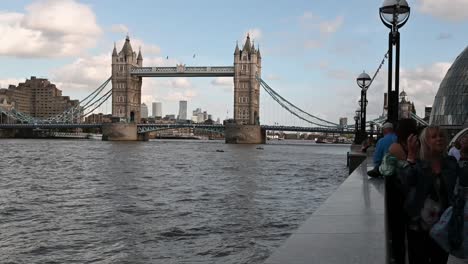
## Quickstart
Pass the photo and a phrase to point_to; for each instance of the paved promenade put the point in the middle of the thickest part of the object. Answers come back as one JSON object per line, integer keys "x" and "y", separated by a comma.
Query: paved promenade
{"x": 349, "y": 227}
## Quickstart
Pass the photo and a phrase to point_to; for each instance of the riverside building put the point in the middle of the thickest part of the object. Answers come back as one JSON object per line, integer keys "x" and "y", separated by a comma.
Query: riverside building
{"x": 38, "y": 98}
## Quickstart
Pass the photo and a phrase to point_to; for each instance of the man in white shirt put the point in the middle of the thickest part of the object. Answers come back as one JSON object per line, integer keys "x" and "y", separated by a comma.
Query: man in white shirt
{"x": 455, "y": 150}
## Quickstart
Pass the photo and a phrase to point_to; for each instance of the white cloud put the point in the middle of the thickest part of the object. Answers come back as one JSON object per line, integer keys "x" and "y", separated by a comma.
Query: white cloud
{"x": 177, "y": 96}
{"x": 119, "y": 28}
{"x": 307, "y": 17}
{"x": 179, "y": 83}
{"x": 222, "y": 81}
{"x": 321, "y": 29}
{"x": 329, "y": 27}
{"x": 273, "y": 77}
{"x": 451, "y": 10}
{"x": 85, "y": 73}
{"x": 146, "y": 49}
{"x": 421, "y": 84}
{"x": 226, "y": 83}
{"x": 4, "y": 83}
{"x": 49, "y": 28}
{"x": 255, "y": 34}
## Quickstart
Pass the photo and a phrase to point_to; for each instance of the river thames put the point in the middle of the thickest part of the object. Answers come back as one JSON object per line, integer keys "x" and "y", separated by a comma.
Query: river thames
{"x": 83, "y": 201}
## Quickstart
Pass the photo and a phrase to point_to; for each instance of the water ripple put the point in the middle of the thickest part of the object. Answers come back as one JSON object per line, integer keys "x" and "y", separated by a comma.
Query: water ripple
{"x": 65, "y": 201}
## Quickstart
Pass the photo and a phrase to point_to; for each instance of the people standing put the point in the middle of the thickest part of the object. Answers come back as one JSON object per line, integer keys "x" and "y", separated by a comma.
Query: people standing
{"x": 382, "y": 147}
{"x": 454, "y": 151}
{"x": 463, "y": 160}
{"x": 428, "y": 180}
{"x": 396, "y": 216}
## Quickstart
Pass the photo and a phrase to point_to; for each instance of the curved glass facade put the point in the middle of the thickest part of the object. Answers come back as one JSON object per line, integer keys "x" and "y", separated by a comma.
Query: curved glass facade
{"x": 450, "y": 106}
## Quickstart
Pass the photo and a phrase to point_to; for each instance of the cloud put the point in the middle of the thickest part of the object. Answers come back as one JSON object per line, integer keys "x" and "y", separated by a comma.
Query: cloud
{"x": 85, "y": 73}
{"x": 49, "y": 28}
{"x": 177, "y": 96}
{"x": 449, "y": 10}
{"x": 444, "y": 35}
{"x": 329, "y": 27}
{"x": 307, "y": 17}
{"x": 222, "y": 81}
{"x": 179, "y": 83}
{"x": 146, "y": 49}
{"x": 226, "y": 83}
{"x": 4, "y": 83}
{"x": 422, "y": 83}
{"x": 273, "y": 77}
{"x": 119, "y": 28}
{"x": 255, "y": 34}
{"x": 313, "y": 25}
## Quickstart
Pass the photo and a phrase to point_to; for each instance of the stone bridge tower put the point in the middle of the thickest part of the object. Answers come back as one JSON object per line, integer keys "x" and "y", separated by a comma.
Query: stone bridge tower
{"x": 126, "y": 89}
{"x": 247, "y": 65}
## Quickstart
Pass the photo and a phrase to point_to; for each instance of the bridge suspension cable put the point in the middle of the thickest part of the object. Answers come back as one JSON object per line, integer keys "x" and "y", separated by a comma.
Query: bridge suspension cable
{"x": 419, "y": 119}
{"x": 290, "y": 106}
{"x": 74, "y": 113}
{"x": 378, "y": 68}
{"x": 84, "y": 104}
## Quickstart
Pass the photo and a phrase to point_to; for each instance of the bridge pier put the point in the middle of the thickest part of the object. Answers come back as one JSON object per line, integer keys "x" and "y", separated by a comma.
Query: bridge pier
{"x": 244, "y": 134}
{"x": 143, "y": 137}
{"x": 7, "y": 133}
{"x": 119, "y": 132}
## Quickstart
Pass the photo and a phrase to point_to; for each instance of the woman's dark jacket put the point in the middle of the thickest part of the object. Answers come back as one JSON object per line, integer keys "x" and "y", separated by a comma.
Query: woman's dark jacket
{"x": 417, "y": 181}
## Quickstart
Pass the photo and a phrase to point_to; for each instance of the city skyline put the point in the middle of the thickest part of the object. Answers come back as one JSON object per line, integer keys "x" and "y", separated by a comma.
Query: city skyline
{"x": 305, "y": 57}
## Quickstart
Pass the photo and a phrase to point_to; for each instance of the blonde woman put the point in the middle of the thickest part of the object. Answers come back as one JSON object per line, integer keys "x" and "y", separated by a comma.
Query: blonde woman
{"x": 429, "y": 180}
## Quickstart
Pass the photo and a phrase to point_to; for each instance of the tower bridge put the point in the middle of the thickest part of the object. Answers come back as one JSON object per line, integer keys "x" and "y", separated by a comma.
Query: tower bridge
{"x": 127, "y": 77}
{"x": 128, "y": 73}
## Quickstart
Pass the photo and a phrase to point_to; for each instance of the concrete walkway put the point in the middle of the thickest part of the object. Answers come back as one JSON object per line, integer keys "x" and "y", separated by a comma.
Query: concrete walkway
{"x": 347, "y": 228}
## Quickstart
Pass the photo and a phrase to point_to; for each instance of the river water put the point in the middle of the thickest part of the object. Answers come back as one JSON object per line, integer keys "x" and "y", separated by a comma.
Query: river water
{"x": 82, "y": 201}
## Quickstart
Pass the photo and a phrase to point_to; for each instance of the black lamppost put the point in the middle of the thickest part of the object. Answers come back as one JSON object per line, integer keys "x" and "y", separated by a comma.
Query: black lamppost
{"x": 363, "y": 81}
{"x": 357, "y": 131}
{"x": 394, "y": 14}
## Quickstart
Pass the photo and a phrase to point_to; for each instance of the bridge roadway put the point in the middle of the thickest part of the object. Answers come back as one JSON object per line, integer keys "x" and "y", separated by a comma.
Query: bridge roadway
{"x": 144, "y": 128}
{"x": 183, "y": 71}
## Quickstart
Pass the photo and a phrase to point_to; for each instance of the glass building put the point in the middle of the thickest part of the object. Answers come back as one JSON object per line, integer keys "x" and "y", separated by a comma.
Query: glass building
{"x": 450, "y": 106}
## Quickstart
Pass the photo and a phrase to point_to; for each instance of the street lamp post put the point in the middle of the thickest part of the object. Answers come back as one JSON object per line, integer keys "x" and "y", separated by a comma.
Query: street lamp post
{"x": 394, "y": 14}
{"x": 363, "y": 81}
{"x": 357, "y": 131}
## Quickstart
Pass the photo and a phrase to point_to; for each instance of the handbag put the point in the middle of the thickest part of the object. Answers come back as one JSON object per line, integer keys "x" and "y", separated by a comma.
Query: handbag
{"x": 451, "y": 229}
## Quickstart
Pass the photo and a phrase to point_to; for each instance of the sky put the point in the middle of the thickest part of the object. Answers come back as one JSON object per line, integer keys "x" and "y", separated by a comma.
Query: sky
{"x": 312, "y": 51}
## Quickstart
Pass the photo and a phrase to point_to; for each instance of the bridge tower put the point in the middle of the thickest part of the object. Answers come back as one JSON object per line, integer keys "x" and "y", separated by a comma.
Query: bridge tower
{"x": 126, "y": 89}
{"x": 247, "y": 65}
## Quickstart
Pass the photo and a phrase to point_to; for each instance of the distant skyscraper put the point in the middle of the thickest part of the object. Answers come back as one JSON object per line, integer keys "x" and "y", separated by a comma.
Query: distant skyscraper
{"x": 157, "y": 109}
{"x": 144, "y": 111}
{"x": 182, "y": 110}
